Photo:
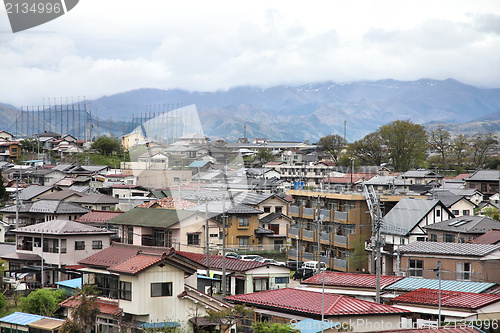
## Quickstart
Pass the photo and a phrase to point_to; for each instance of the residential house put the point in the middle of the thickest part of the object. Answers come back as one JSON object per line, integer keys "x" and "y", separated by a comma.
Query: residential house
{"x": 100, "y": 218}
{"x": 6, "y": 136}
{"x": 151, "y": 284}
{"x": 485, "y": 181}
{"x": 9, "y": 150}
{"x": 290, "y": 305}
{"x": 458, "y": 205}
{"x": 119, "y": 178}
{"x": 152, "y": 160}
{"x": 422, "y": 177}
{"x": 242, "y": 276}
{"x": 126, "y": 191}
{"x": 35, "y": 192}
{"x": 110, "y": 314}
{"x": 97, "y": 202}
{"x": 405, "y": 223}
{"x": 194, "y": 139}
{"x": 312, "y": 173}
{"x": 64, "y": 195}
{"x": 182, "y": 229}
{"x": 459, "y": 261}
{"x": 266, "y": 173}
{"x": 42, "y": 211}
{"x": 58, "y": 243}
{"x": 453, "y": 306}
{"x": 132, "y": 139}
{"x": 46, "y": 177}
{"x": 461, "y": 229}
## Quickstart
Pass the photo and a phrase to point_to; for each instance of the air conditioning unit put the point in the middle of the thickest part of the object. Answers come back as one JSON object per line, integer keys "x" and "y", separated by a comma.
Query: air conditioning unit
{"x": 400, "y": 273}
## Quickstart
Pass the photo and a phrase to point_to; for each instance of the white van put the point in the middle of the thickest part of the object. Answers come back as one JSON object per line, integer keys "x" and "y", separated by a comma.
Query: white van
{"x": 314, "y": 265}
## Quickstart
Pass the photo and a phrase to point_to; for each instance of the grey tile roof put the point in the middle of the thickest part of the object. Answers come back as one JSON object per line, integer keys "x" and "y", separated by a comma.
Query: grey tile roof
{"x": 96, "y": 199}
{"x": 458, "y": 249}
{"x": 484, "y": 175}
{"x": 61, "y": 195}
{"x": 471, "y": 224}
{"x": 407, "y": 213}
{"x": 48, "y": 207}
{"x": 273, "y": 216}
{"x": 151, "y": 217}
{"x": 421, "y": 174}
{"x": 32, "y": 191}
{"x": 61, "y": 227}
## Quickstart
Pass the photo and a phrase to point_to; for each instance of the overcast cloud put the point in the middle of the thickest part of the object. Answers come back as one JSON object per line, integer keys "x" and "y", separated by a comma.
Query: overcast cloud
{"x": 102, "y": 47}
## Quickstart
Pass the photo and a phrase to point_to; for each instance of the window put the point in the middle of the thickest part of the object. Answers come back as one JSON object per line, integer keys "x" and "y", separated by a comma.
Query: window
{"x": 161, "y": 289}
{"x": 80, "y": 245}
{"x": 260, "y": 284}
{"x": 214, "y": 235}
{"x": 105, "y": 208}
{"x": 415, "y": 267}
{"x": 243, "y": 222}
{"x": 278, "y": 209}
{"x": 243, "y": 241}
{"x": 438, "y": 213}
{"x": 463, "y": 271}
{"x": 193, "y": 239}
{"x": 96, "y": 244}
{"x": 434, "y": 238}
{"x": 281, "y": 280}
{"x": 466, "y": 212}
{"x": 267, "y": 209}
{"x": 455, "y": 212}
{"x": 130, "y": 235}
{"x": 126, "y": 290}
{"x": 449, "y": 238}
{"x": 420, "y": 239}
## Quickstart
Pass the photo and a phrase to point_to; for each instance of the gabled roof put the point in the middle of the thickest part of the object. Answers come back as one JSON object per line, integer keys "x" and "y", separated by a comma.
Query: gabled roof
{"x": 98, "y": 216}
{"x": 105, "y": 306}
{"x": 61, "y": 195}
{"x": 414, "y": 283}
{"x": 61, "y": 227}
{"x": 137, "y": 263}
{"x": 234, "y": 265}
{"x": 458, "y": 249}
{"x": 253, "y": 199}
{"x": 48, "y": 207}
{"x": 421, "y": 173}
{"x": 96, "y": 199}
{"x": 116, "y": 254}
{"x": 310, "y": 302}
{"x": 152, "y": 217}
{"x": 407, "y": 213}
{"x": 449, "y": 299}
{"x": 471, "y": 224}
{"x": 32, "y": 191}
{"x": 351, "y": 280}
{"x": 273, "y": 216}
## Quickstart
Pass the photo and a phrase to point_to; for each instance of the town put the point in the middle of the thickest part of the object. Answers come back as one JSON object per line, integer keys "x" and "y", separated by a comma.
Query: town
{"x": 166, "y": 229}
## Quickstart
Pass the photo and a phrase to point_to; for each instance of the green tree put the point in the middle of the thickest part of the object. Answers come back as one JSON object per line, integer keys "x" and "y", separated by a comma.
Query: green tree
{"x": 228, "y": 317}
{"x": 43, "y": 302}
{"x": 331, "y": 144}
{"x": 358, "y": 258}
{"x": 460, "y": 146}
{"x": 405, "y": 142}
{"x": 29, "y": 145}
{"x": 106, "y": 145}
{"x": 369, "y": 150}
{"x": 84, "y": 314}
{"x": 482, "y": 143}
{"x": 263, "y": 156}
{"x": 491, "y": 212}
{"x": 3, "y": 192}
{"x": 265, "y": 327}
{"x": 439, "y": 140}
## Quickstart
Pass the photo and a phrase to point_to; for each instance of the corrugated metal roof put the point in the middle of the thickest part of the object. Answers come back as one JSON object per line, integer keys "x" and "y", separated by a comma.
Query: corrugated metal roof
{"x": 351, "y": 280}
{"x": 459, "y": 249}
{"x": 414, "y": 283}
{"x": 310, "y": 302}
{"x": 73, "y": 283}
{"x": 20, "y": 318}
{"x": 453, "y": 299}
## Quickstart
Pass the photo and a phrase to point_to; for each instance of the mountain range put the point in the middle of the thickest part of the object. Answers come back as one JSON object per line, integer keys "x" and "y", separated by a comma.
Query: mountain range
{"x": 308, "y": 112}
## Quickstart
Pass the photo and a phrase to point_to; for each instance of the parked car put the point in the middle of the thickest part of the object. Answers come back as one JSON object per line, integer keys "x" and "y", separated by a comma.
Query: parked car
{"x": 315, "y": 265}
{"x": 232, "y": 255}
{"x": 303, "y": 273}
{"x": 249, "y": 257}
{"x": 294, "y": 264}
{"x": 272, "y": 262}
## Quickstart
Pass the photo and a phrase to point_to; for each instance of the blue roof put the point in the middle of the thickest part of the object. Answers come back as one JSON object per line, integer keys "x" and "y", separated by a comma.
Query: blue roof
{"x": 203, "y": 277}
{"x": 312, "y": 326}
{"x": 160, "y": 324}
{"x": 414, "y": 283}
{"x": 74, "y": 283}
{"x": 21, "y": 318}
{"x": 198, "y": 164}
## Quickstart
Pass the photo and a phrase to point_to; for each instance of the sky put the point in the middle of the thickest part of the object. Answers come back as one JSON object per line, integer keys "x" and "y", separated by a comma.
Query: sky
{"x": 103, "y": 47}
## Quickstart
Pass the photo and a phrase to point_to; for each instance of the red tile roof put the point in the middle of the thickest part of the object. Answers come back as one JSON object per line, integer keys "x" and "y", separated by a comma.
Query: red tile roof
{"x": 234, "y": 265}
{"x": 351, "y": 280}
{"x": 105, "y": 306}
{"x": 98, "y": 216}
{"x": 137, "y": 263}
{"x": 310, "y": 302}
{"x": 114, "y": 255}
{"x": 491, "y": 237}
{"x": 452, "y": 299}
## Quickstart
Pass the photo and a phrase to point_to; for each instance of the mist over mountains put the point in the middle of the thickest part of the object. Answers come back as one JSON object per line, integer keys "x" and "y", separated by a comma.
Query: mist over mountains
{"x": 314, "y": 110}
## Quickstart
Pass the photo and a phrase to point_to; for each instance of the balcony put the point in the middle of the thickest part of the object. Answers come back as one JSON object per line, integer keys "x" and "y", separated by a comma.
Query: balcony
{"x": 324, "y": 237}
{"x": 340, "y": 264}
{"x": 293, "y": 253}
{"x": 341, "y": 215}
{"x": 308, "y": 213}
{"x": 294, "y": 211}
{"x": 325, "y": 213}
{"x": 340, "y": 240}
{"x": 308, "y": 234}
{"x": 307, "y": 256}
{"x": 292, "y": 232}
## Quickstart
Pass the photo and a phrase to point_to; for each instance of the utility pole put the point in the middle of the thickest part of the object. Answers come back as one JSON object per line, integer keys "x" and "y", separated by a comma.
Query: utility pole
{"x": 373, "y": 203}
